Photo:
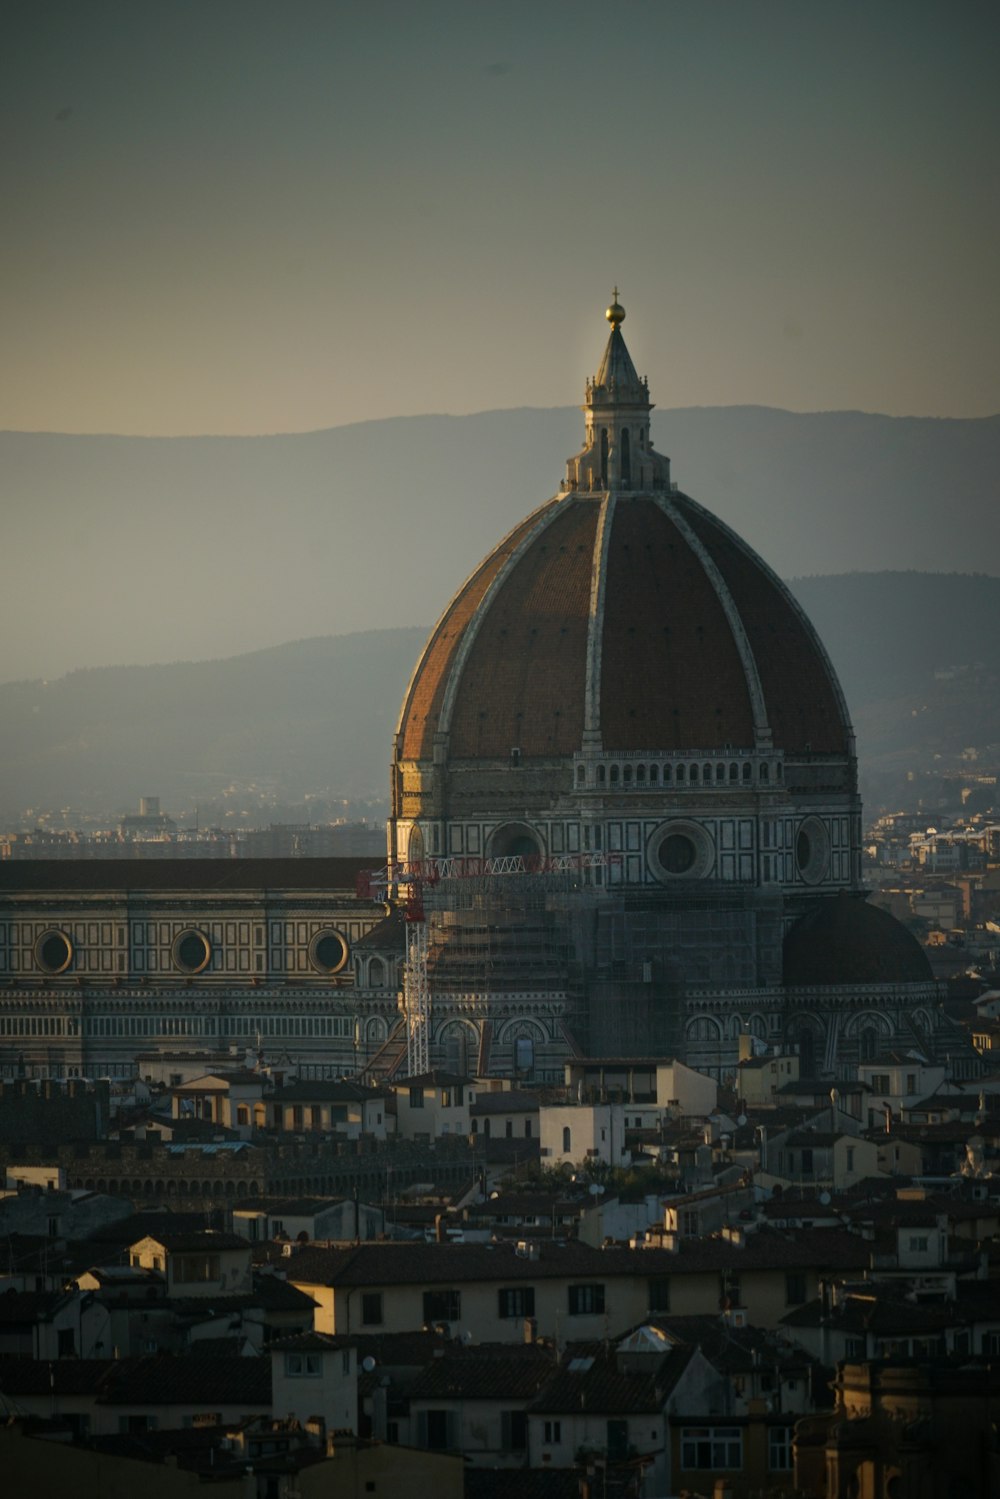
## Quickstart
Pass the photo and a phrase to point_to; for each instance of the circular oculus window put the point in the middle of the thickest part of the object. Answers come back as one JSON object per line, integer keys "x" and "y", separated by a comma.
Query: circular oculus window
{"x": 680, "y": 851}
{"x": 328, "y": 951}
{"x": 191, "y": 951}
{"x": 677, "y": 853}
{"x": 54, "y": 951}
{"x": 812, "y": 850}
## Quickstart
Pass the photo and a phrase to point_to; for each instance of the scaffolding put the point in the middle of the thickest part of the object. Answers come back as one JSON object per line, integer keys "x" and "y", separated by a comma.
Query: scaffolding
{"x": 477, "y": 927}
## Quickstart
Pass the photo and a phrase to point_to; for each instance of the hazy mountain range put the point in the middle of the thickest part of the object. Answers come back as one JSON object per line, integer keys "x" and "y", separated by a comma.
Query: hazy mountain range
{"x": 120, "y": 550}
{"x": 918, "y": 655}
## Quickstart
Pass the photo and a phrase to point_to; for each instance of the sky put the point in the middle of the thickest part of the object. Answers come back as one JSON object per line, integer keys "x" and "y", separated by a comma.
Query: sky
{"x": 258, "y": 216}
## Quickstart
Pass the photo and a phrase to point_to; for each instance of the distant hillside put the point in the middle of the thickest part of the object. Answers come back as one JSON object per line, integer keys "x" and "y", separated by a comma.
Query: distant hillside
{"x": 319, "y": 714}
{"x": 122, "y": 550}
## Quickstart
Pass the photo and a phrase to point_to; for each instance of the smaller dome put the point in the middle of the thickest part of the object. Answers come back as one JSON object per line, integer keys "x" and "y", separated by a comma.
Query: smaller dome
{"x": 844, "y": 940}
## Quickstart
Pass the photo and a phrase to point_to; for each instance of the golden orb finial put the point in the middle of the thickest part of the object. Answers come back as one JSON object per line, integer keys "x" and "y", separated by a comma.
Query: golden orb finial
{"x": 616, "y": 312}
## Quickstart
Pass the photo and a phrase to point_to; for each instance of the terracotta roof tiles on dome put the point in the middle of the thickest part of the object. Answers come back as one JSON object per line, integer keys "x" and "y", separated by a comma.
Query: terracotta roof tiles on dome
{"x": 628, "y": 614}
{"x": 803, "y": 704}
{"x": 844, "y": 940}
{"x": 524, "y": 681}
{"x": 671, "y": 674}
{"x": 425, "y": 695}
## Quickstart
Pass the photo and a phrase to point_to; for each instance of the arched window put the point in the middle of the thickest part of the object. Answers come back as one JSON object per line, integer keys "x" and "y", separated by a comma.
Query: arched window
{"x": 734, "y": 772}
{"x": 604, "y": 455}
{"x": 614, "y": 775}
{"x": 601, "y": 775}
{"x": 626, "y": 457}
{"x": 706, "y": 773}
{"x": 680, "y": 772}
{"x": 667, "y": 774}
{"x": 486, "y": 1127}
{"x": 720, "y": 772}
{"x": 778, "y": 770}
{"x": 627, "y": 775}
{"x": 765, "y": 771}
{"x": 567, "y": 1139}
{"x": 693, "y": 773}
{"x": 654, "y": 774}
{"x": 640, "y": 775}
{"x": 581, "y": 774}
{"x": 747, "y": 771}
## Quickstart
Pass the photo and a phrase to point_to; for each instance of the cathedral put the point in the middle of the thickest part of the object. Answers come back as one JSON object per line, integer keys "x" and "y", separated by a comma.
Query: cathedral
{"x": 624, "y": 819}
{"x": 624, "y": 676}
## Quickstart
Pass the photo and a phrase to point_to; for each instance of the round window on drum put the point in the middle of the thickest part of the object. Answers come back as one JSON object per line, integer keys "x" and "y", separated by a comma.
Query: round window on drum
{"x": 681, "y": 849}
{"x": 53, "y": 951}
{"x": 191, "y": 951}
{"x": 677, "y": 853}
{"x": 328, "y": 951}
{"x": 812, "y": 850}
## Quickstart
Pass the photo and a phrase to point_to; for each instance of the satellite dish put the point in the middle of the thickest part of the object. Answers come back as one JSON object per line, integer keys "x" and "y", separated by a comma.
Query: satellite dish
{"x": 595, "y": 1189}
{"x": 742, "y": 1121}
{"x": 825, "y": 1199}
{"x": 368, "y": 1364}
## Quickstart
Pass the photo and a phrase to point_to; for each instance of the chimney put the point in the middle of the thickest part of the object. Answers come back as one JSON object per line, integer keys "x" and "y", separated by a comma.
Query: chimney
{"x": 530, "y": 1329}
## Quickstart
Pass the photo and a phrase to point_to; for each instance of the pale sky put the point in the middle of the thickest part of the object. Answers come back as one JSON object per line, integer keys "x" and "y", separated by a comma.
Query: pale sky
{"x": 249, "y": 216}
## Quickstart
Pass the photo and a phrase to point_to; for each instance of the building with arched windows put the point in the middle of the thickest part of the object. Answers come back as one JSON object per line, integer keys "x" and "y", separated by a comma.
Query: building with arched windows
{"x": 624, "y": 677}
{"x": 622, "y": 695}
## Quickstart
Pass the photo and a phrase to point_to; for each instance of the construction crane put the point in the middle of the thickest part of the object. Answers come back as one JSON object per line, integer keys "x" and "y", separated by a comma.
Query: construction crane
{"x": 407, "y": 882}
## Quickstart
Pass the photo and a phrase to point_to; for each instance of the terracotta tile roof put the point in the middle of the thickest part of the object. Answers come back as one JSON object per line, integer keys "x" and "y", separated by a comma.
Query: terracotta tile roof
{"x": 149, "y": 1224}
{"x": 387, "y": 935}
{"x": 26, "y": 1308}
{"x": 517, "y": 1100}
{"x": 186, "y": 1380}
{"x": 664, "y": 623}
{"x": 311, "y": 1341}
{"x": 154, "y": 875}
{"x": 208, "y": 1241}
{"x": 590, "y": 1378}
{"x": 436, "y": 1078}
{"x": 425, "y": 694}
{"x": 798, "y": 684}
{"x": 63, "y": 1376}
{"x": 883, "y": 1313}
{"x": 731, "y": 1350}
{"x": 508, "y": 1372}
{"x": 324, "y": 1092}
{"x": 270, "y": 1293}
{"x": 379, "y": 1264}
{"x": 524, "y": 677}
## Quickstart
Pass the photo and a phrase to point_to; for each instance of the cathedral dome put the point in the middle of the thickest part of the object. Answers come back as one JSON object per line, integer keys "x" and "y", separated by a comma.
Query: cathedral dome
{"x": 624, "y": 615}
{"x": 844, "y": 940}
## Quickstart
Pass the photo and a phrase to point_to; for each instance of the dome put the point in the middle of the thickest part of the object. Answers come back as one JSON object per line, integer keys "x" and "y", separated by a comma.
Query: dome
{"x": 621, "y": 614}
{"x": 623, "y": 675}
{"x": 651, "y": 614}
{"x": 844, "y": 940}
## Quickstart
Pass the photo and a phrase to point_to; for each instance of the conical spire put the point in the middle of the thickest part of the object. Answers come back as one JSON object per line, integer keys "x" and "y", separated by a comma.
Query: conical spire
{"x": 617, "y": 374}
{"x": 617, "y": 380}
{"x": 619, "y": 452}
